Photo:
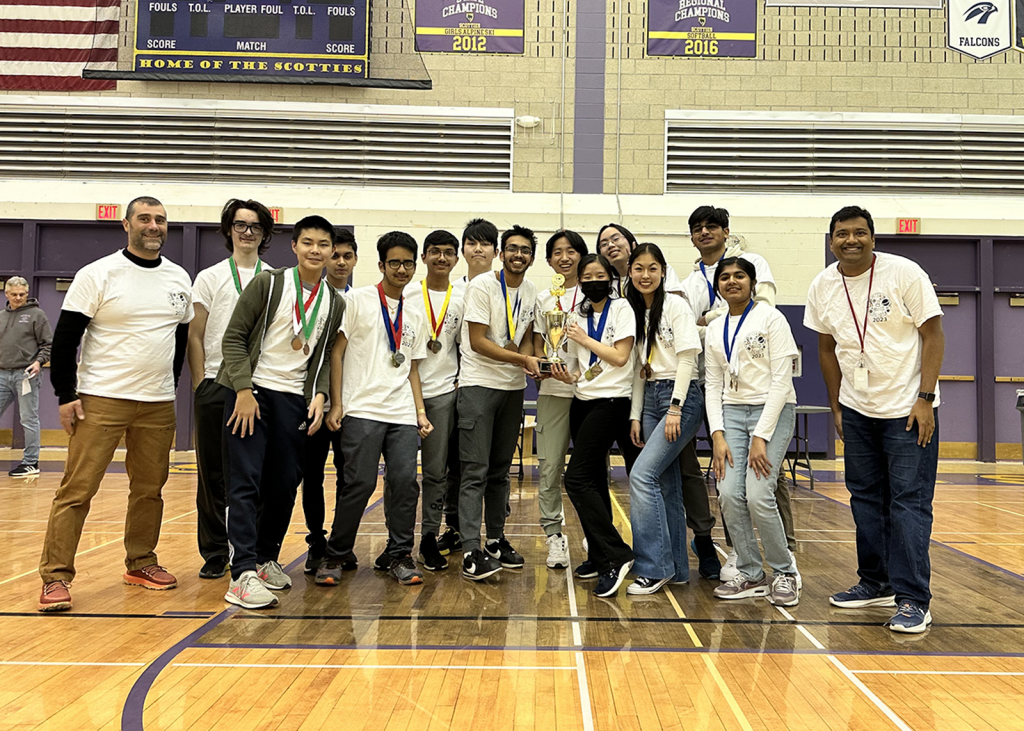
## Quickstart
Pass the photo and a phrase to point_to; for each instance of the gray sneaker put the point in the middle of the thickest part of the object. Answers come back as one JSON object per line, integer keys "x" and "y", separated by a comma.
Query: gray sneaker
{"x": 405, "y": 572}
{"x": 742, "y": 588}
{"x": 273, "y": 576}
{"x": 784, "y": 591}
{"x": 248, "y": 592}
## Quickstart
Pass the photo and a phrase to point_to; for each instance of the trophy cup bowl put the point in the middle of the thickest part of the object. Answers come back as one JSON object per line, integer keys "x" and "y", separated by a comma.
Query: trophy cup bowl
{"x": 554, "y": 334}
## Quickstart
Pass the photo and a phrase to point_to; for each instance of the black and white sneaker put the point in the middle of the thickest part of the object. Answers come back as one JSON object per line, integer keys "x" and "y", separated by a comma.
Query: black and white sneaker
{"x": 383, "y": 561}
{"x": 477, "y": 565}
{"x": 610, "y": 581}
{"x": 586, "y": 570}
{"x": 429, "y": 556}
{"x": 25, "y": 470}
{"x": 504, "y": 553}
{"x": 449, "y": 541}
{"x": 646, "y": 585}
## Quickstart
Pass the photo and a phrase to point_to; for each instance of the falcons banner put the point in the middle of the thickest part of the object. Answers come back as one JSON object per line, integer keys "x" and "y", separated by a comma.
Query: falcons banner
{"x": 979, "y": 28}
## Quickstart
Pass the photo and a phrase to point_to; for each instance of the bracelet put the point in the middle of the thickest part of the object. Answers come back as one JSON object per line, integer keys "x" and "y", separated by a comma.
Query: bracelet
{"x": 674, "y": 413}
{"x": 421, "y": 411}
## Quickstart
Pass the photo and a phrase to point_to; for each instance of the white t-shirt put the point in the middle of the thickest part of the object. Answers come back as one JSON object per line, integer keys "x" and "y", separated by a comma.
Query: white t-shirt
{"x": 546, "y": 303}
{"x": 128, "y": 347}
{"x": 214, "y": 289}
{"x": 438, "y": 371}
{"x": 611, "y": 382}
{"x": 695, "y": 286}
{"x": 281, "y": 367}
{"x": 762, "y": 358}
{"x": 372, "y": 388}
{"x": 902, "y": 299}
{"x": 677, "y": 333}
{"x": 485, "y": 304}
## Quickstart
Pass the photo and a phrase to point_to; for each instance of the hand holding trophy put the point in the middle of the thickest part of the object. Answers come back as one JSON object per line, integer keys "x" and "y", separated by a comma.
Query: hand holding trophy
{"x": 553, "y": 326}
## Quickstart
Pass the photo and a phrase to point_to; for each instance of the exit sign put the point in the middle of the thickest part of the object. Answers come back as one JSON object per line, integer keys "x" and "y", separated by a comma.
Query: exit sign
{"x": 277, "y": 214}
{"x": 908, "y": 225}
{"x": 108, "y": 212}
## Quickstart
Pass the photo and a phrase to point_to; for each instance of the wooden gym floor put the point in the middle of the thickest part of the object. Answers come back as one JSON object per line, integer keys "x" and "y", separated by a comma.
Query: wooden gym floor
{"x": 528, "y": 650}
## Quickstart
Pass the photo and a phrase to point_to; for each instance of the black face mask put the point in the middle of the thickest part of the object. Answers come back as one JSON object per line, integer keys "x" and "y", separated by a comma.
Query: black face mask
{"x": 596, "y": 289}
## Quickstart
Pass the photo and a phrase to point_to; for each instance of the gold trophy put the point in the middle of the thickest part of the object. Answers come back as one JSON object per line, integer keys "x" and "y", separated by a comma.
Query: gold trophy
{"x": 554, "y": 324}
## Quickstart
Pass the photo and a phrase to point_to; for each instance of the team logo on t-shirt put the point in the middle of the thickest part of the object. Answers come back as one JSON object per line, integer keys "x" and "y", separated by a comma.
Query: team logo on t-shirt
{"x": 756, "y": 344}
{"x": 451, "y": 324}
{"x": 879, "y": 307}
{"x": 609, "y": 333}
{"x": 408, "y": 335}
{"x": 665, "y": 335}
{"x": 179, "y": 301}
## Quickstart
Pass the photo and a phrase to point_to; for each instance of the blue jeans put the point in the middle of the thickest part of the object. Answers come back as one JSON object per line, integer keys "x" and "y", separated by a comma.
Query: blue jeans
{"x": 28, "y": 405}
{"x": 745, "y": 496}
{"x": 892, "y": 483}
{"x": 656, "y": 511}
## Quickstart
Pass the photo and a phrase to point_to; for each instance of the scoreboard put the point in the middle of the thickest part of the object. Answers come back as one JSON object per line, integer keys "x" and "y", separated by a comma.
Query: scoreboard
{"x": 321, "y": 39}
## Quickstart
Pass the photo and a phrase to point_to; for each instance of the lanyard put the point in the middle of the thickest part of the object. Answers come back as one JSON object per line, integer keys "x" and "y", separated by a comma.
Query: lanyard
{"x": 394, "y": 329}
{"x": 576, "y": 291}
{"x": 711, "y": 287}
{"x": 511, "y": 312}
{"x": 301, "y": 309}
{"x": 597, "y": 333}
{"x": 862, "y": 336}
{"x": 436, "y": 325}
{"x": 234, "y": 272}
{"x": 730, "y": 345}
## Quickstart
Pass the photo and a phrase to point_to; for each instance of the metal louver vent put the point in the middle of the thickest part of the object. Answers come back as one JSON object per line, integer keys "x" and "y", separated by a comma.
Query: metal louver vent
{"x": 218, "y": 142}
{"x": 839, "y": 153}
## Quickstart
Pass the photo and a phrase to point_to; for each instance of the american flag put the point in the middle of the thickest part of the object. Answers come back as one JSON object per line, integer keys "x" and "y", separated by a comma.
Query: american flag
{"x": 45, "y": 44}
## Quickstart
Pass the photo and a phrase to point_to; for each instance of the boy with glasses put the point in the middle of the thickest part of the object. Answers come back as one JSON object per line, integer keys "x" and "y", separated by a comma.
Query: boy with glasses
{"x": 381, "y": 344}
{"x": 441, "y": 306}
{"x": 247, "y": 228}
{"x": 497, "y": 347}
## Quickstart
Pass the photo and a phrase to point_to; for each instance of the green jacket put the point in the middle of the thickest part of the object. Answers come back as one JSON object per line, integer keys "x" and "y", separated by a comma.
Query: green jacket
{"x": 243, "y": 339}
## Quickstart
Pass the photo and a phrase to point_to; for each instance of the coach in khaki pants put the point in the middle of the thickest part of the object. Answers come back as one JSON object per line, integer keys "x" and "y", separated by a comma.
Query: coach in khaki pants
{"x": 133, "y": 309}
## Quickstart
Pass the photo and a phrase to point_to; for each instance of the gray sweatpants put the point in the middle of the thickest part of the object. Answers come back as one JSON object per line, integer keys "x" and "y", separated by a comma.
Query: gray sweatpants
{"x": 434, "y": 459}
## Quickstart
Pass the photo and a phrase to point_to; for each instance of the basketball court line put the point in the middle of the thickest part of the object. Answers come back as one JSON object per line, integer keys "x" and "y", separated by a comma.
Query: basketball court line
{"x": 577, "y": 638}
{"x": 347, "y": 666}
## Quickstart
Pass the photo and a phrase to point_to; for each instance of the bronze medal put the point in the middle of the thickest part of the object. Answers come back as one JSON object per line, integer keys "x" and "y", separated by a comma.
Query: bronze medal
{"x": 435, "y": 346}
{"x": 596, "y": 370}
{"x": 305, "y": 348}
{"x": 296, "y": 343}
{"x": 646, "y": 372}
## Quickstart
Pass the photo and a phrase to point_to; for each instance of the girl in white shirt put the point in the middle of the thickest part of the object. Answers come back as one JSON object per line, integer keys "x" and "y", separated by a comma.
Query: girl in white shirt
{"x": 601, "y": 342}
{"x": 751, "y": 408}
{"x": 667, "y": 411}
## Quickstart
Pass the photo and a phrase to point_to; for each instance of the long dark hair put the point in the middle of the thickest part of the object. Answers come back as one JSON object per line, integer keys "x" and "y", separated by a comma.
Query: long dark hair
{"x": 636, "y": 299}
{"x": 586, "y": 307}
{"x": 745, "y": 264}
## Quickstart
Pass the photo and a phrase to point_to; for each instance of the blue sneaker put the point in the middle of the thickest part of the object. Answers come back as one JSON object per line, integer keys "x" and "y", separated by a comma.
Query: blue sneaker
{"x": 910, "y": 618}
{"x": 861, "y": 595}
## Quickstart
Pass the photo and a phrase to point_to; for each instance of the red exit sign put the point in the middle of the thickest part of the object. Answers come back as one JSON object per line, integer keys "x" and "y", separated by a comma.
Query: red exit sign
{"x": 908, "y": 225}
{"x": 108, "y": 212}
{"x": 277, "y": 214}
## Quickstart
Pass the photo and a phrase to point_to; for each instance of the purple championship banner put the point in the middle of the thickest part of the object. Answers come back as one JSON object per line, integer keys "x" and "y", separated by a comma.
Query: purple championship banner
{"x": 495, "y": 26}
{"x": 703, "y": 28}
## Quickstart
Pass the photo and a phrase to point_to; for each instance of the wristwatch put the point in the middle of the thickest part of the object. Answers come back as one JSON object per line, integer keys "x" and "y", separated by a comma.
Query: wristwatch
{"x": 676, "y": 402}
{"x": 929, "y": 397}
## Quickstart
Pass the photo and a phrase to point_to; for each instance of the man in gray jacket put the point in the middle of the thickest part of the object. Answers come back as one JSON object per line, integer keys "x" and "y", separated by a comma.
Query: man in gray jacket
{"x": 25, "y": 338}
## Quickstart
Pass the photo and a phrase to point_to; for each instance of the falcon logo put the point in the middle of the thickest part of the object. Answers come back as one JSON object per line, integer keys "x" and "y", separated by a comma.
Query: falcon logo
{"x": 982, "y": 11}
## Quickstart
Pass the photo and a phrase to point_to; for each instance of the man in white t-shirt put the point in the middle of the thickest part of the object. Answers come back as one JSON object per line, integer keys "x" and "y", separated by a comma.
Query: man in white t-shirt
{"x": 497, "y": 348}
{"x": 247, "y": 228}
{"x": 339, "y": 275}
{"x": 375, "y": 383}
{"x": 130, "y": 312}
{"x": 276, "y": 367}
{"x": 479, "y": 249}
{"x": 880, "y": 344}
{"x": 563, "y": 252}
{"x": 440, "y": 305}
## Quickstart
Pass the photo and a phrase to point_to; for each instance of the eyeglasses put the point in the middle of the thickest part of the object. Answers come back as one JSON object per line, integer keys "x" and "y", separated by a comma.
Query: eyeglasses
{"x": 240, "y": 227}
{"x": 613, "y": 239}
{"x": 446, "y": 253}
{"x": 524, "y": 250}
{"x": 395, "y": 264}
{"x": 711, "y": 228}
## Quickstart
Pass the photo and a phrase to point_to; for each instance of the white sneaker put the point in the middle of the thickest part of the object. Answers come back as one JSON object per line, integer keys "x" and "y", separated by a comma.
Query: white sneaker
{"x": 248, "y": 592}
{"x": 558, "y": 552}
{"x": 273, "y": 576}
{"x": 586, "y": 549}
{"x": 799, "y": 578}
{"x": 729, "y": 571}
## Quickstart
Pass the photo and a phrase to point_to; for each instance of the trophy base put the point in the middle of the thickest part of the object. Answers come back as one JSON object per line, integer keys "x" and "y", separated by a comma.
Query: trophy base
{"x": 545, "y": 365}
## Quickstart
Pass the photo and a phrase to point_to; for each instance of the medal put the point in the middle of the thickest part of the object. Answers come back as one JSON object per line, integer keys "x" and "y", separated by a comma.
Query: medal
{"x": 436, "y": 324}
{"x": 593, "y": 372}
{"x": 393, "y": 329}
{"x": 734, "y": 367}
{"x": 596, "y": 333}
{"x": 302, "y": 325}
{"x": 646, "y": 372}
{"x": 511, "y": 312}
{"x": 238, "y": 280}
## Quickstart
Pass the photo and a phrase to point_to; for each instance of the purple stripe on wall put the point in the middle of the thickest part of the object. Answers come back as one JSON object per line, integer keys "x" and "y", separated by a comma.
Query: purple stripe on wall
{"x": 588, "y": 125}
